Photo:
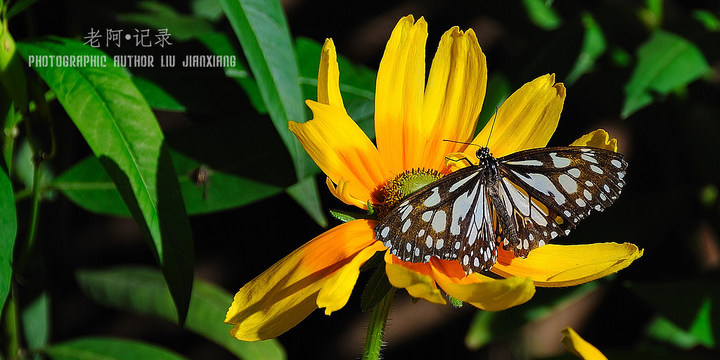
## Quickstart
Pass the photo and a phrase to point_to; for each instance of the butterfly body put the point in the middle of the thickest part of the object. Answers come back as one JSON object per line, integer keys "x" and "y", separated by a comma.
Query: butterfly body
{"x": 520, "y": 202}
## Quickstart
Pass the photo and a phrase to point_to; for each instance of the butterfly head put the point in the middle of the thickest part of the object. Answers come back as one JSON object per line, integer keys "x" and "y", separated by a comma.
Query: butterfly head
{"x": 483, "y": 154}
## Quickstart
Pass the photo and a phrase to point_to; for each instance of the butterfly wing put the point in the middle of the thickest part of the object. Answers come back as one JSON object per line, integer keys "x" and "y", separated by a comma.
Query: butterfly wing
{"x": 547, "y": 191}
{"x": 450, "y": 218}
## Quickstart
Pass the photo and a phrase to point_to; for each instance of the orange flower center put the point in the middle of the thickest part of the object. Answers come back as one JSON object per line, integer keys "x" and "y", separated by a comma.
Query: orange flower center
{"x": 402, "y": 186}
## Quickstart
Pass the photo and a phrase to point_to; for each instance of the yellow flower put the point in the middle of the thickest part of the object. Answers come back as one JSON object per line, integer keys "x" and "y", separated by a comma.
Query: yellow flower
{"x": 579, "y": 347}
{"x": 412, "y": 120}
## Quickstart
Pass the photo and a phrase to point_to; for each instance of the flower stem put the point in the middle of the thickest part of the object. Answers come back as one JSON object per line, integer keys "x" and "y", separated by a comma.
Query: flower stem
{"x": 376, "y": 327}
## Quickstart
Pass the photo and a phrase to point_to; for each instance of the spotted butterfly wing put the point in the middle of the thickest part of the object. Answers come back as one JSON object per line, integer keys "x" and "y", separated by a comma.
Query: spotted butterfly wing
{"x": 520, "y": 201}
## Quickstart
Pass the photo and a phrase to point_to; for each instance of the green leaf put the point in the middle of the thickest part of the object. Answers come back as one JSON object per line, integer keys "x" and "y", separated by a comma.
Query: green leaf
{"x": 156, "y": 96}
{"x": 593, "y": 46}
{"x": 124, "y": 135}
{"x": 709, "y": 20}
{"x": 264, "y": 35}
{"x": 12, "y": 70}
{"x": 262, "y": 29}
{"x": 357, "y": 83}
{"x": 204, "y": 189}
{"x": 696, "y": 311}
{"x": 665, "y": 330}
{"x": 142, "y": 291}
{"x": 8, "y": 231}
{"x": 665, "y": 62}
{"x": 99, "y": 348}
{"x": 652, "y": 14}
{"x": 542, "y": 15}
{"x": 305, "y": 193}
{"x": 36, "y": 322}
{"x": 18, "y": 6}
{"x": 209, "y": 9}
{"x": 377, "y": 287}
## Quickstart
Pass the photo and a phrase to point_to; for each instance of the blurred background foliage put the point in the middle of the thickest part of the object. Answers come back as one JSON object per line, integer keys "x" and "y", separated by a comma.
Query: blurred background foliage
{"x": 90, "y": 180}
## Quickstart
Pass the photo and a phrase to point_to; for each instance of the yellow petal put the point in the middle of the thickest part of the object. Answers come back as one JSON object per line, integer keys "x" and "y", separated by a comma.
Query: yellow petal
{"x": 526, "y": 120}
{"x": 598, "y": 139}
{"x": 481, "y": 291}
{"x": 399, "y": 95}
{"x": 416, "y": 278}
{"x": 578, "y": 346}
{"x": 328, "y": 82}
{"x": 341, "y": 150}
{"x": 567, "y": 265}
{"x": 287, "y": 292}
{"x": 453, "y": 96}
{"x": 337, "y": 288}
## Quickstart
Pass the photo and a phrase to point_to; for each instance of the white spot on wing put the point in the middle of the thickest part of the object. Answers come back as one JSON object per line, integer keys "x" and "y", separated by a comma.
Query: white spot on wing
{"x": 439, "y": 221}
{"x": 462, "y": 182}
{"x": 543, "y": 184}
{"x": 433, "y": 199}
{"x": 559, "y": 161}
{"x": 589, "y": 158}
{"x": 406, "y": 212}
{"x": 568, "y": 183}
{"x": 530, "y": 162}
{"x": 406, "y": 225}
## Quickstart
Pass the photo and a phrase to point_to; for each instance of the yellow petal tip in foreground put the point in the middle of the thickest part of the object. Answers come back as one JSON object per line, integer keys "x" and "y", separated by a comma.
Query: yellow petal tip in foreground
{"x": 579, "y": 347}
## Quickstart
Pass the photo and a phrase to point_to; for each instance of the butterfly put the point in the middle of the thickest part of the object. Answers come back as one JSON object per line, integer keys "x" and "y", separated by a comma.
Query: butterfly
{"x": 520, "y": 202}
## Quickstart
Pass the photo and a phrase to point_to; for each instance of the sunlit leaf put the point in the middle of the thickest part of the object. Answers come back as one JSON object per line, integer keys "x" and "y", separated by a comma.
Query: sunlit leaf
{"x": 8, "y": 231}
{"x": 664, "y": 62}
{"x": 142, "y": 291}
{"x": 263, "y": 32}
{"x": 124, "y": 135}
{"x": 593, "y": 46}
{"x": 99, "y": 348}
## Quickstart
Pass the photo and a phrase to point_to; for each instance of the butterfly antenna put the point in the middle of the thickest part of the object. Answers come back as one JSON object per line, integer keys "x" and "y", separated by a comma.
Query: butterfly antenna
{"x": 492, "y": 126}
